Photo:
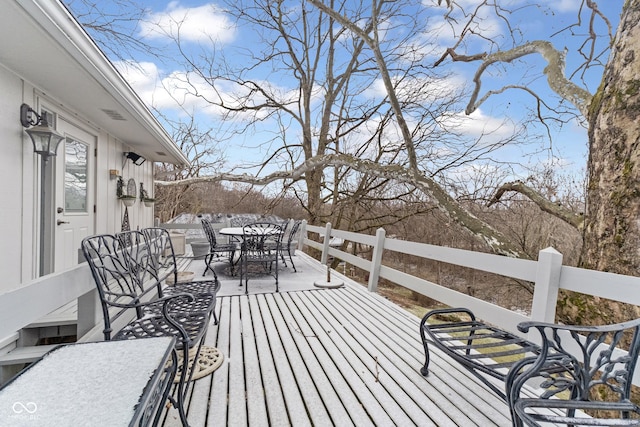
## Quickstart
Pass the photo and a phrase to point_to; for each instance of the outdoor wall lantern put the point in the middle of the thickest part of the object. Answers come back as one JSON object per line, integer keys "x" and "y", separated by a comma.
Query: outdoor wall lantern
{"x": 45, "y": 142}
{"x": 45, "y": 139}
{"x": 136, "y": 158}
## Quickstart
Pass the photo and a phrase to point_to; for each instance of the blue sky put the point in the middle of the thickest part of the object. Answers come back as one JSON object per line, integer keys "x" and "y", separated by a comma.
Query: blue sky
{"x": 160, "y": 83}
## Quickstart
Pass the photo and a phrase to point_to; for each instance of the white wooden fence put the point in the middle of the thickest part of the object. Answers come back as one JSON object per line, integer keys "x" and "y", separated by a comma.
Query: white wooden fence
{"x": 547, "y": 273}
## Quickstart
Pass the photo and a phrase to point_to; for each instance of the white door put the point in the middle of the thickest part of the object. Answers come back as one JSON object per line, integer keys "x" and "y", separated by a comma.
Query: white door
{"x": 75, "y": 193}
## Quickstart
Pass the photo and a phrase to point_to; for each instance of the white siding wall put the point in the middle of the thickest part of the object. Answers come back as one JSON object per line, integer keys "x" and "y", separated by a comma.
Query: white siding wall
{"x": 19, "y": 168}
{"x": 16, "y": 206}
{"x": 110, "y": 211}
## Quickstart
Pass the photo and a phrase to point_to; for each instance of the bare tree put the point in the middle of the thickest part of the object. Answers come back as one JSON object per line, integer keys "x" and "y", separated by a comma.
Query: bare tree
{"x": 611, "y": 232}
{"x": 327, "y": 152}
{"x": 114, "y": 28}
{"x": 205, "y": 158}
{"x": 348, "y": 146}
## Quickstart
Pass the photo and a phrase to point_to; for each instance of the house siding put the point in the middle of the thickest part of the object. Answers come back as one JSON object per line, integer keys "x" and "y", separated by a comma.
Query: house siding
{"x": 19, "y": 177}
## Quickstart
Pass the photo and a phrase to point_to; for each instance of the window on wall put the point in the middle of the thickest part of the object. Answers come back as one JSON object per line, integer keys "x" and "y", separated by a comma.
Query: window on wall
{"x": 75, "y": 176}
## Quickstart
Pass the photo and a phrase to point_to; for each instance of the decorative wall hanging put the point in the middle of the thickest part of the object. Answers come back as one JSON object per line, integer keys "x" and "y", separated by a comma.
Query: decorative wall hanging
{"x": 144, "y": 196}
{"x": 129, "y": 197}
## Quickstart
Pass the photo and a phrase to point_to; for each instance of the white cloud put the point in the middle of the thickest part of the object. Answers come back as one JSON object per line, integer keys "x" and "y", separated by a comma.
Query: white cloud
{"x": 485, "y": 22}
{"x": 564, "y": 5}
{"x": 202, "y": 23}
{"x": 478, "y": 125}
{"x": 168, "y": 92}
{"x": 175, "y": 91}
{"x": 425, "y": 90}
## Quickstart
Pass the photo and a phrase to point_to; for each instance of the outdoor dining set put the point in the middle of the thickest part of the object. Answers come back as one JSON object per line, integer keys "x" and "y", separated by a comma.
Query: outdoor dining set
{"x": 258, "y": 244}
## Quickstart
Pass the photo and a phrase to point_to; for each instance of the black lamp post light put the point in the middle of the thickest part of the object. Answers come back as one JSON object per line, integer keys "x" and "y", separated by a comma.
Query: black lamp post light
{"x": 45, "y": 143}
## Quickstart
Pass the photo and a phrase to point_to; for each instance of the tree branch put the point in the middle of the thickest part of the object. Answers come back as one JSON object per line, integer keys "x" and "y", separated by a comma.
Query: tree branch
{"x": 544, "y": 204}
{"x": 555, "y": 72}
{"x": 384, "y": 72}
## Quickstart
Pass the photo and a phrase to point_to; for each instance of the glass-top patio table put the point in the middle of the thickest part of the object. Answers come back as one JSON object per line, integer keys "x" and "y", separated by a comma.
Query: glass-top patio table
{"x": 236, "y": 234}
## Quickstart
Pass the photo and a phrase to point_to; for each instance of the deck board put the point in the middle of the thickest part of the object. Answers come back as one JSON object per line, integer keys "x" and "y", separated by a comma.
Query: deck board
{"x": 309, "y": 356}
{"x": 294, "y": 379}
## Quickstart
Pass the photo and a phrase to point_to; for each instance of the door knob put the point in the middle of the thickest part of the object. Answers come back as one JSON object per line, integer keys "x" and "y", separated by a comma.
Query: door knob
{"x": 60, "y": 222}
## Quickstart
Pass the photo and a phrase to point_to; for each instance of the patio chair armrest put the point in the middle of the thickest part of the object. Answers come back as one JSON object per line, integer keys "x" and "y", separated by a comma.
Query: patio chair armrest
{"x": 541, "y": 326}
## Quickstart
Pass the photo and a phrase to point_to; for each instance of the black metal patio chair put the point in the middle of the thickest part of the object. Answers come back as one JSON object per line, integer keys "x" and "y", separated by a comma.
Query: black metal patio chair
{"x": 133, "y": 308}
{"x": 260, "y": 246}
{"x": 216, "y": 250}
{"x": 290, "y": 245}
{"x": 162, "y": 265}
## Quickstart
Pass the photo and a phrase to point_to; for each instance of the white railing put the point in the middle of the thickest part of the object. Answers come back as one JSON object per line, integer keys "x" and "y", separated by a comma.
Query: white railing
{"x": 547, "y": 273}
{"x": 27, "y": 304}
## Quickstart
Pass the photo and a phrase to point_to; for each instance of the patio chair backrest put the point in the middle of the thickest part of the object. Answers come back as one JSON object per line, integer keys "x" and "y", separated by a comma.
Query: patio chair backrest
{"x": 238, "y": 221}
{"x": 109, "y": 262}
{"x": 285, "y": 224}
{"x": 162, "y": 254}
{"x": 140, "y": 260}
{"x": 209, "y": 232}
{"x": 580, "y": 364}
{"x": 292, "y": 233}
{"x": 261, "y": 237}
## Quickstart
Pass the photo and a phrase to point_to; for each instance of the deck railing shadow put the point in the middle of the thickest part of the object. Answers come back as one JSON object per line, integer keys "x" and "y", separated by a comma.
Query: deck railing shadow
{"x": 27, "y": 304}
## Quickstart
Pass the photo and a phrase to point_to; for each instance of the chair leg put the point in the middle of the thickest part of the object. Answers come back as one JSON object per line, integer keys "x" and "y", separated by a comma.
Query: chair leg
{"x": 291, "y": 259}
{"x": 215, "y": 316}
{"x": 244, "y": 273}
{"x": 207, "y": 264}
{"x": 170, "y": 370}
{"x": 246, "y": 278}
{"x": 181, "y": 384}
{"x": 231, "y": 264}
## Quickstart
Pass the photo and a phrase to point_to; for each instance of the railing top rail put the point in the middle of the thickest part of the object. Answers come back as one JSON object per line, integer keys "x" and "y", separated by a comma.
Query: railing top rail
{"x": 521, "y": 269}
{"x": 26, "y": 304}
{"x": 602, "y": 284}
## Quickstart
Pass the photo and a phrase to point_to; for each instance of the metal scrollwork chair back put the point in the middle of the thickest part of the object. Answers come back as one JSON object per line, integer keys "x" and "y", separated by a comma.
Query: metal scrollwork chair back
{"x": 581, "y": 369}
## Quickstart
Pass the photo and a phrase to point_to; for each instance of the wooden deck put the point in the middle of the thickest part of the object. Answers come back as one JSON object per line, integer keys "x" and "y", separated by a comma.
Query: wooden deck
{"x": 329, "y": 357}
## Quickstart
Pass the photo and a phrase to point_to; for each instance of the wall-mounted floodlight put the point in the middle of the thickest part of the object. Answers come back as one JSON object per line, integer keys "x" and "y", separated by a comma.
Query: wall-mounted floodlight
{"x": 136, "y": 158}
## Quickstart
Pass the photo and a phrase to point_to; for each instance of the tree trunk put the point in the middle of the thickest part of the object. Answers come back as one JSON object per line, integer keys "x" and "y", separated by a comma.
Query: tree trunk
{"x": 612, "y": 232}
{"x": 612, "y": 220}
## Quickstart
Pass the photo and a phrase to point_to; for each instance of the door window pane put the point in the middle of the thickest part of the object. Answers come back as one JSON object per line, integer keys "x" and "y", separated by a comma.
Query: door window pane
{"x": 75, "y": 176}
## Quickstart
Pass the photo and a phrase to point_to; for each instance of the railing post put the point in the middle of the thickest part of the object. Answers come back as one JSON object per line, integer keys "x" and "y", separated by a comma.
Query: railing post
{"x": 325, "y": 247}
{"x": 89, "y": 312}
{"x": 302, "y": 234}
{"x": 376, "y": 260}
{"x": 545, "y": 293}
